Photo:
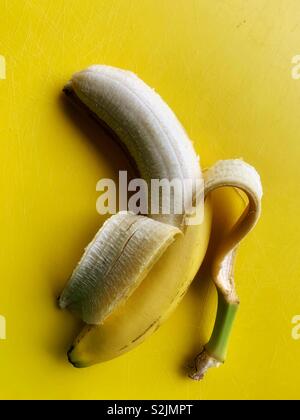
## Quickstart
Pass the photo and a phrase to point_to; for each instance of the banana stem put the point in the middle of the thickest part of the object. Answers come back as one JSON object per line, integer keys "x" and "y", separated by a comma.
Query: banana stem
{"x": 218, "y": 343}
{"x": 215, "y": 351}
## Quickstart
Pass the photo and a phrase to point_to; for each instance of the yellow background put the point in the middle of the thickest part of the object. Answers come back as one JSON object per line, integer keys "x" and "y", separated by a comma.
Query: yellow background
{"x": 224, "y": 66}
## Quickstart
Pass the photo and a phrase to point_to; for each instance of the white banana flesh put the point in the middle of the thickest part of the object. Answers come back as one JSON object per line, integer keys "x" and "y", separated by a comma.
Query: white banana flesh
{"x": 118, "y": 287}
{"x": 145, "y": 125}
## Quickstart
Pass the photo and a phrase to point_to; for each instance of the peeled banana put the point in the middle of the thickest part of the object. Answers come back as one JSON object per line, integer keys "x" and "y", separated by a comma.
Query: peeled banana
{"x": 122, "y": 286}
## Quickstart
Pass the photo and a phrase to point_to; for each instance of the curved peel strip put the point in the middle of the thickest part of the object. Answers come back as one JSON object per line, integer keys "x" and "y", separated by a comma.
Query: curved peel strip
{"x": 114, "y": 264}
{"x": 239, "y": 174}
{"x": 233, "y": 173}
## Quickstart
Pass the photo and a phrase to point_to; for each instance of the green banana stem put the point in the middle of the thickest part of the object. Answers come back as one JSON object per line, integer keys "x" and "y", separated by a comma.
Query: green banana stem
{"x": 215, "y": 351}
{"x": 219, "y": 340}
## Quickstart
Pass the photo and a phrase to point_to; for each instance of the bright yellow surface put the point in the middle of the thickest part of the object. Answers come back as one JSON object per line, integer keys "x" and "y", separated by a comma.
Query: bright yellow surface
{"x": 225, "y": 68}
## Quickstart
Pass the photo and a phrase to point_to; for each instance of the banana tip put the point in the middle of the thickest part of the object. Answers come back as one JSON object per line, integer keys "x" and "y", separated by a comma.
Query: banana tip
{"x": 67, "y": 90}
{"x": 75, "y": 363}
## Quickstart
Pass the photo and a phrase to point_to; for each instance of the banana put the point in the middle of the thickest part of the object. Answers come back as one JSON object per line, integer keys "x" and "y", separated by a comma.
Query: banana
{"x": 129, "y": 280}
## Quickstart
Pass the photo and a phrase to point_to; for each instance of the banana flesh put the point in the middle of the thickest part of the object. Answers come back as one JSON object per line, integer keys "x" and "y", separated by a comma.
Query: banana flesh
{"x": 144, "y": 124}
